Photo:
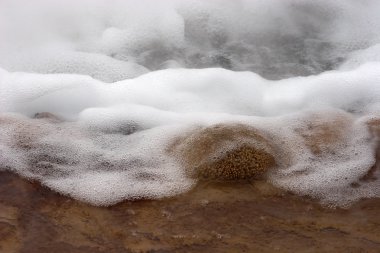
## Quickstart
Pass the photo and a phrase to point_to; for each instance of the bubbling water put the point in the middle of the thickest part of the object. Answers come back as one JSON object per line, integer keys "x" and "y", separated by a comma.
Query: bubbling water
{"x": 97, "y": 98}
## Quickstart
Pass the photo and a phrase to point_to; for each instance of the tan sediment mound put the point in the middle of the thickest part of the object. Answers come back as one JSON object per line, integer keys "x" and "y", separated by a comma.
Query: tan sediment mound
{"x": 322, "y": 132}
{"x": 242, "y": 163}
{"x": 25, "y": 131}
{"x": 20, "y": 130}
{"x": 374, "y": 127}
{"x": 24, "y": 135}
{"x": 224, "y": 152}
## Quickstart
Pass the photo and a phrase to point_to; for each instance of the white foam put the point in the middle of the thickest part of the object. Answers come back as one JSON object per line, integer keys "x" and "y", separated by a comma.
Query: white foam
{"x": 95, "y": 65}
{"x": 274, "y": 38}
{"x": 98, "y": 66}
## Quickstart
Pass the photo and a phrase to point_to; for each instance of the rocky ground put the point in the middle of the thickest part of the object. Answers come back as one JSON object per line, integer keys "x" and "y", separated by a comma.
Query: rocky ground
{"x": 239, "y": 216}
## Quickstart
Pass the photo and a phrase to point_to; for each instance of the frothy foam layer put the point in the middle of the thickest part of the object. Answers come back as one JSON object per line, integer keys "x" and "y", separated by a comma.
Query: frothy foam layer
{"x": 115, "y": 145}
{"x": 122, "y": 39}
{"x": 97, "y": 120}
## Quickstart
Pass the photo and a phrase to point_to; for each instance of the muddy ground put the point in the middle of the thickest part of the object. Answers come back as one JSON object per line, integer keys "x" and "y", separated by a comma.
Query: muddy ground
{"x": 239, "y": 216}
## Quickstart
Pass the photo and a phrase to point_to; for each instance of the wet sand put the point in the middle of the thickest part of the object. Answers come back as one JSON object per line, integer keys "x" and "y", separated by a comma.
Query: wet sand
{"x": 214, "y": 217}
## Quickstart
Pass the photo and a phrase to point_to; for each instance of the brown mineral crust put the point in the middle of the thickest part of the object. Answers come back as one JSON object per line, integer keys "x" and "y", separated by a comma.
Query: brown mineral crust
{"x": 323, "y": 132}
{"x": 374, "y": 127}
{"x": 244, "y": 162}
{"x": 224, "y": 152}
{"x": 22, "y": 131}
{"x": 9, "y": 229}
{"x": 213, "y": 217}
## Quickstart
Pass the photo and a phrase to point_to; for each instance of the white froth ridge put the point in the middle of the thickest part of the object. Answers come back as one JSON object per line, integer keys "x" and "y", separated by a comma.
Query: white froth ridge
{"x": 194, "y": 91}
